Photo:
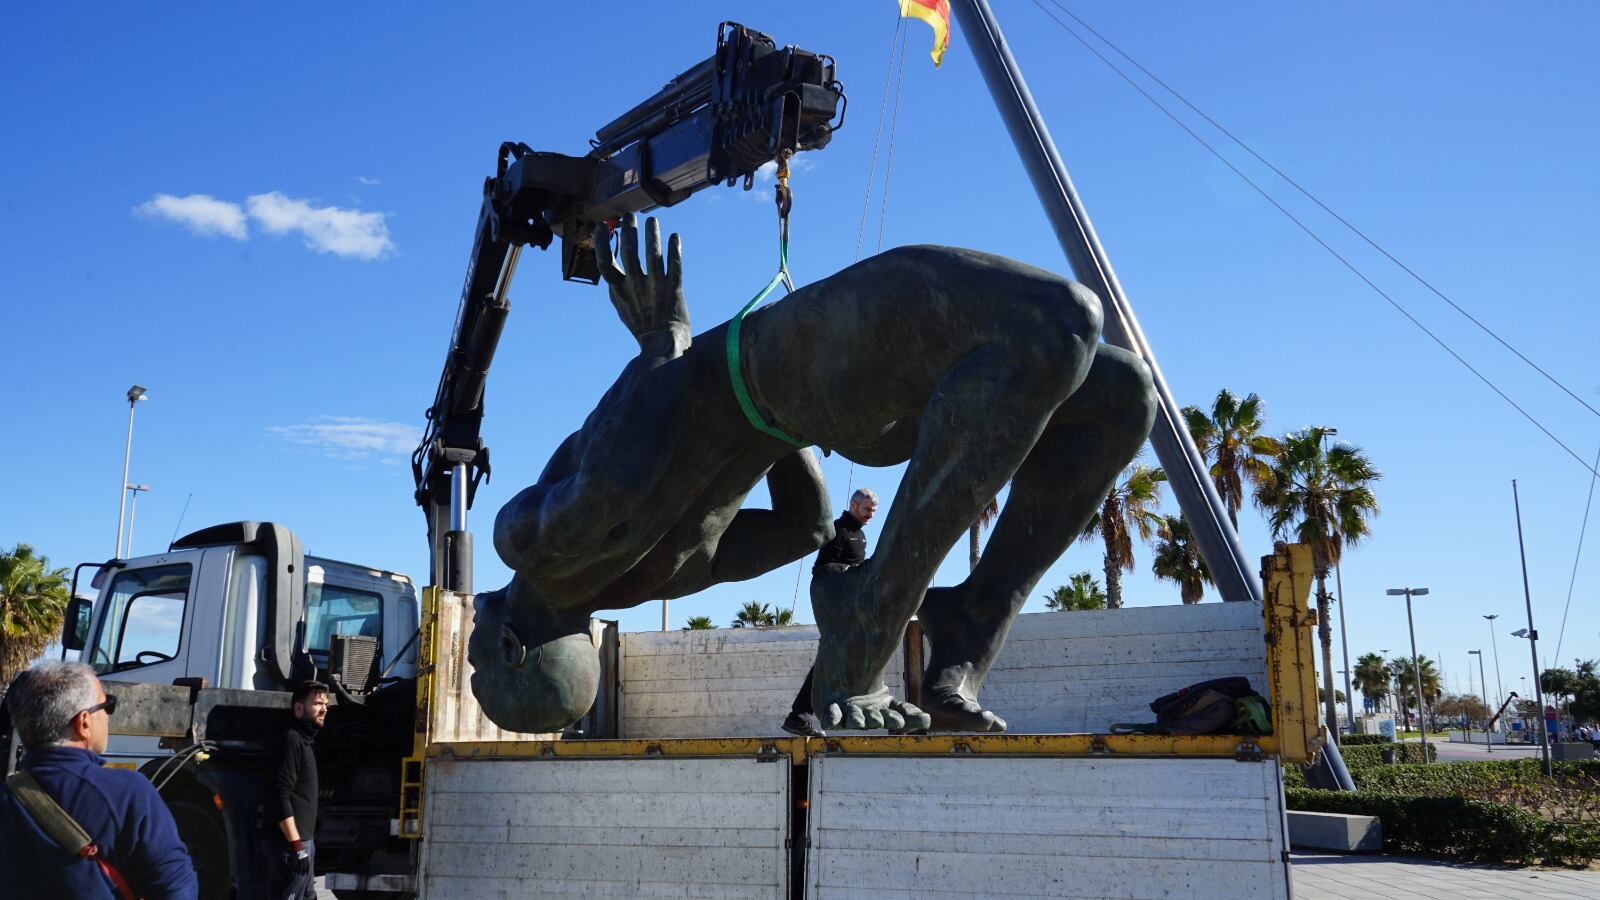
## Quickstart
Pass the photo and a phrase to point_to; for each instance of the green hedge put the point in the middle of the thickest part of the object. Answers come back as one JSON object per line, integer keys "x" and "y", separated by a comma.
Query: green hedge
{"x": 1572, "y": 795}
{"x": 1365, "y": 756}
{"x": 1469, "y": 830}
{"x": 1359, "y": 740}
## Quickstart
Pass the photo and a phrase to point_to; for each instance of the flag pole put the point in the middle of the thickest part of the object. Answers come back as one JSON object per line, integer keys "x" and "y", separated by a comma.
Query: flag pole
{"x": 1186, "y": 470}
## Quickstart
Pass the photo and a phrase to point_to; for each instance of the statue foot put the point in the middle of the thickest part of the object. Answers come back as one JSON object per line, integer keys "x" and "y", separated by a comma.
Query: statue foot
{"x": 957, "y": 713}
{"x": 877, "y": 710}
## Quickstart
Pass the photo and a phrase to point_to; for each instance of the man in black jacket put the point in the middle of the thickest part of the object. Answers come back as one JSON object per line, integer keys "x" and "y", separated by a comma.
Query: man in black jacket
{"x": 848, "y": 548}
{"x": 292, "y": 796}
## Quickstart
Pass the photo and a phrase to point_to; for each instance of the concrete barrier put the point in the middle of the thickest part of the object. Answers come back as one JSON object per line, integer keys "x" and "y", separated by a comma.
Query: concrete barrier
{"x": 1574, "y": 750}
{"x": 1335, "y": 831}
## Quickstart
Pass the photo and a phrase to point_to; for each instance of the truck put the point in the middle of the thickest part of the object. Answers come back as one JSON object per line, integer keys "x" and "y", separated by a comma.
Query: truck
{"x": 675, "y": 782}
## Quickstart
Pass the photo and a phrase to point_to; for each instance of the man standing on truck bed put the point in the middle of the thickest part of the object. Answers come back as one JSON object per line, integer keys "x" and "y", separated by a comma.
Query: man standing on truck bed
{"x": 69, "y": 828}
{"x": 292, "y": 796}
{"x": 848, "y": 548}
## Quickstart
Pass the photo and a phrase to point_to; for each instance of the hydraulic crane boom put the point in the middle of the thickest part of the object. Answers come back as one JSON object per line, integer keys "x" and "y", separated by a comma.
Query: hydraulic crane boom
{"x": 716, "y": 122}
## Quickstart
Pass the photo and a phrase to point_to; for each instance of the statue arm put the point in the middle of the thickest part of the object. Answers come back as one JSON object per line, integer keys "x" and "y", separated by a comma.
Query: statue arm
{"x": 760, "y": 540}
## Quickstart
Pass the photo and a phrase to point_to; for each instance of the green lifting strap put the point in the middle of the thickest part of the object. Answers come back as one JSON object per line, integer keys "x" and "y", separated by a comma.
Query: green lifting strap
{"x": 735, "y": 369}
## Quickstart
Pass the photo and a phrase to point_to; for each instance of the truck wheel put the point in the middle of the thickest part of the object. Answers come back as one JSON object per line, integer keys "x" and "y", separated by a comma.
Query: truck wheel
{"x": 202, "y": 832}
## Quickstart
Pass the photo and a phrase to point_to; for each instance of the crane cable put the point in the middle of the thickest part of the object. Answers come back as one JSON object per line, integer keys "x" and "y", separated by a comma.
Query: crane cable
{"x": 1594, "y": 470}
{"x": 896, "y": 55}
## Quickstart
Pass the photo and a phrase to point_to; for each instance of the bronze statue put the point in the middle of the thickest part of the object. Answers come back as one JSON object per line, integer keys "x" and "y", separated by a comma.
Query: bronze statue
{"x": 975, "y": 369}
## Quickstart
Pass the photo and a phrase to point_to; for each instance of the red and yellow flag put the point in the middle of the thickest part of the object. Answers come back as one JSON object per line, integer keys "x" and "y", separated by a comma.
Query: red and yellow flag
{"x": 937, "y": 14}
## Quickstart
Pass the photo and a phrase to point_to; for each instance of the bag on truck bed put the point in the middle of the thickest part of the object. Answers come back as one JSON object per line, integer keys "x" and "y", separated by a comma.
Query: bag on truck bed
{"x": 1218, "y": 706}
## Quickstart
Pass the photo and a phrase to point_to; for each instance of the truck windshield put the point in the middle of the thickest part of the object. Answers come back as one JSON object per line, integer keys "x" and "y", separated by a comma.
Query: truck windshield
{"x": 142, "y": 622}
{"x": 331, "y": 610}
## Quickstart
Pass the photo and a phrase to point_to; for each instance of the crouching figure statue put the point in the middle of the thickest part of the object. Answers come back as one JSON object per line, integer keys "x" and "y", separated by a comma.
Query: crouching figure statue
{"x": 974, "y": 369}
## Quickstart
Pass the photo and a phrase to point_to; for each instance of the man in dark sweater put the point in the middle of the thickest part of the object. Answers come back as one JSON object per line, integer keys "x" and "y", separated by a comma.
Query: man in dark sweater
{"x": 292, "y": 796}
{"x": 62, "y": 713}
{"x": 848, "y": 548}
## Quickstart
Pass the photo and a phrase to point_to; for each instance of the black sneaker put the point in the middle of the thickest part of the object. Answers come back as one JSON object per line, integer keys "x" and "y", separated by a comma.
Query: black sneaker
{"x": 803, "y": 725}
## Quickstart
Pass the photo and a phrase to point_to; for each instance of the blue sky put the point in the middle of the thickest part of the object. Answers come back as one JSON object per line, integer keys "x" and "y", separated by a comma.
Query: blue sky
{"x": 291, "y": 328}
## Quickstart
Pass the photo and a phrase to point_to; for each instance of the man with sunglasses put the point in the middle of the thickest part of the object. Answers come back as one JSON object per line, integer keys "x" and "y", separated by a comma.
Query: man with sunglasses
{"x": 62, "y": 714}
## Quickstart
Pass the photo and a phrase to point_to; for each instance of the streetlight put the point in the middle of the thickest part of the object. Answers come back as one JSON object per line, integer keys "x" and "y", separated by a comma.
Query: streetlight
{"x": 1344, "y": 634}
{"x": 135, "y": 394}
{"x": 1488, "y": 743}
{"x": 1499, "y": 684}
{"x": 1416, "y": 670}
{"x": 133, "y": 509}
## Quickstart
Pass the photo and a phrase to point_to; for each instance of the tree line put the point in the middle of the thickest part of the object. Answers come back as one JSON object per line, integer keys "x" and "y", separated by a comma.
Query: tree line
{"x": 1309, "y": 489}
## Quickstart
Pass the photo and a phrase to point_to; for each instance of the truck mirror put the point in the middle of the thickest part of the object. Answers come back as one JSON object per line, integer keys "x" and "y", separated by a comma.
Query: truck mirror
{"x": 75, "y": 624}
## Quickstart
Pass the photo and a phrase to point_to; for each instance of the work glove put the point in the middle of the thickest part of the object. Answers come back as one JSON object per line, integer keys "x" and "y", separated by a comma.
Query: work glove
{"x": 297, "y": 859}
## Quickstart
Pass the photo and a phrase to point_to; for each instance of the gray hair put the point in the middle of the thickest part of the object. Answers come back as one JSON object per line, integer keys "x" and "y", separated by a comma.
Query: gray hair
{"x": 48, "y": 698}
{"x": 863, "y": 494}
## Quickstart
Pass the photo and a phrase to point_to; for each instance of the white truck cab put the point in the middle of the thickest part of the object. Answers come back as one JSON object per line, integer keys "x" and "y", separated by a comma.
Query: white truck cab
{"x": 239, "y": 606}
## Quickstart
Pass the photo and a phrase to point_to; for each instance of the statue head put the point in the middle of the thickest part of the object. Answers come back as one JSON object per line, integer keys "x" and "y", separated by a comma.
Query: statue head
{"x": 533, "y": 671}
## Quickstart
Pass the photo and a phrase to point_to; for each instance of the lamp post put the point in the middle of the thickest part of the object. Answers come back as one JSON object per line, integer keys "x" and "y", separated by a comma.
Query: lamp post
{"x": 1416, "y": 670}
{"x": 135, "y": 394}
{"x": 1488, "y": 742}
{"x": 133, "y": 509}
{"x": 1499, "y": 684}
{"x": 1532, "y": 635}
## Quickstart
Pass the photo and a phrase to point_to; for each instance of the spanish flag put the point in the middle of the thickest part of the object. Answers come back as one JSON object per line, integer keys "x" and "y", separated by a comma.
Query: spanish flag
{"x": 937, "y": 14}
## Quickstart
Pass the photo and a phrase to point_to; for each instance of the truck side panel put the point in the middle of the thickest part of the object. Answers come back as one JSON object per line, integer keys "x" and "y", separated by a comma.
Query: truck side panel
{"x": 1076, "y": 672}
{"x": 1044, "y": 826}
{"x": 655, "y": 827}
{"x": 725, "y": 682}
{"x": 1083, "y": 671}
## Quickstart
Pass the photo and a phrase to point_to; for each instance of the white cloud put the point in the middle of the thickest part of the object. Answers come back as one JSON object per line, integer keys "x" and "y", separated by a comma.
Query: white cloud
{"x": 325, "y": 229}
{"x": 352, "y": 437}
{"x": 369, "y": 182}
{"x": 202, "y": 214}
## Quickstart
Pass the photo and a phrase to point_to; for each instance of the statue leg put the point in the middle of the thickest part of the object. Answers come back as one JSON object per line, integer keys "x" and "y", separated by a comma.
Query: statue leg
{"x": 982, "y": 420}
{"x": 1055, "y": 492}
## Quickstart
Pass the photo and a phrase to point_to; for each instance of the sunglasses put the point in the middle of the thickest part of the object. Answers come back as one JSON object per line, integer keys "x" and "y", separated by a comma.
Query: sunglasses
{"x": 109, "y": 705}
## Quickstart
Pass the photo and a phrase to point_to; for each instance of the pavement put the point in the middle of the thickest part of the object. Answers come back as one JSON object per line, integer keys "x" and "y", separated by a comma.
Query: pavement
{"x": 1458, "y": 752}
{"x": 1333, "y": 876}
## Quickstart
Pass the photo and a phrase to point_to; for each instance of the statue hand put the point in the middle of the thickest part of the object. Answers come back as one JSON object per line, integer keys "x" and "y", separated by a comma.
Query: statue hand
{"x": 649, "y": 299}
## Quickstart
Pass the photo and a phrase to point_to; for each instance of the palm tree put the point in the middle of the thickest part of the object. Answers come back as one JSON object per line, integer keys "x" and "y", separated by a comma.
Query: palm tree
{"x": 1082, "y": 593}
{"x": 1178, "y": 558}
{"x": 1321, "y": 497}
{"x": 782, "y": 617}
{"x": 1128, "y": 509}
{"x": 1230, "y": 438}
{"x": 983, "y": 521}
{"x": 1372, "y": 676}
{"x": 755, "y": 615}
{"x": 699, "y": 623}
{"x": 1407, "y": 685}
{"x": 33, "y": 597}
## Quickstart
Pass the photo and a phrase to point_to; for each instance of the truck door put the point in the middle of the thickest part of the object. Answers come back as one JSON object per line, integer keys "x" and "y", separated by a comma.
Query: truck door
{"x": 141, "y": 624}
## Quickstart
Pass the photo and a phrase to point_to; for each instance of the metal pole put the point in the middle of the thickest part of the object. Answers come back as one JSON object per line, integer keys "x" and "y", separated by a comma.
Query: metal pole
{"x": 1470, "y": 691}
{"x": 1416, "y": 671}
{"x": 458, "y": 497}
{"x": 1186, "y": 471}
{"x": 1533, "y": 635}
{"x": 133, "y": 510}
{"x": 1499, "y": 683}
{"x": 122, "y": 493}
{"x": 1344, "y": 645}
{"x": 663, "y": 614}
{"x": 1488, "y": 743}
